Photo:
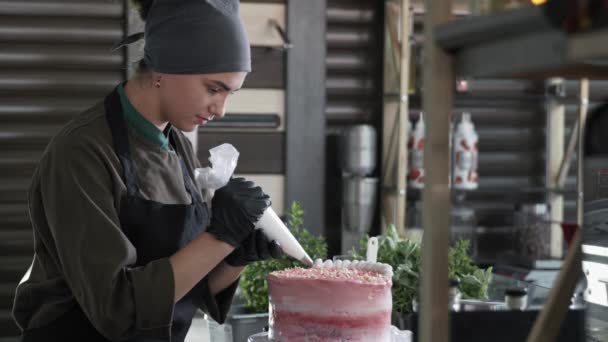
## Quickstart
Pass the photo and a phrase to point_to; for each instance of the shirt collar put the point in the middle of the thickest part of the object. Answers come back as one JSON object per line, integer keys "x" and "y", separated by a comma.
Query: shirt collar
{"x": 144, "y": 128}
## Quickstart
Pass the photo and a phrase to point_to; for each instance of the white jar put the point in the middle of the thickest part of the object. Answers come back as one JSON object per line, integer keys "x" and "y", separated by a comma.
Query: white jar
{"x": 516, "y": 299}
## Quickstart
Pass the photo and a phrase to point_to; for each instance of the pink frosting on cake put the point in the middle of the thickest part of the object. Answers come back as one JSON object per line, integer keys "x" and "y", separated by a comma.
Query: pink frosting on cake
{"x": 330, "y": 304}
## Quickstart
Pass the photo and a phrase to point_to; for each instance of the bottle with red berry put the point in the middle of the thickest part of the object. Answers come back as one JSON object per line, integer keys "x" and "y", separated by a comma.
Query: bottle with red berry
{"x": 416, "y": 148}
{"x": 466, "y": 151}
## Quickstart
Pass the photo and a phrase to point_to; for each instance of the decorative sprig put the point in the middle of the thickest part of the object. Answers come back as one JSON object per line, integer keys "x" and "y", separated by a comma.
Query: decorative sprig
{"x": 404, "y": 256}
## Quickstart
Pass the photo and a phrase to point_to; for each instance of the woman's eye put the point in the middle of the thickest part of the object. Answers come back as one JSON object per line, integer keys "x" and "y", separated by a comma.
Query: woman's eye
{"x": 214, "y": 90}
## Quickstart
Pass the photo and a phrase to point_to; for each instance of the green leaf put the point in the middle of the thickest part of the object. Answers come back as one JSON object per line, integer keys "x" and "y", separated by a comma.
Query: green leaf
{"x": 404, "y": 256}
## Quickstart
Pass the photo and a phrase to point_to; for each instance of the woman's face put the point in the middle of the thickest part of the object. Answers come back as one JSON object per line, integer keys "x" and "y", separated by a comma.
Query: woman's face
{"x": 187, "y": 101}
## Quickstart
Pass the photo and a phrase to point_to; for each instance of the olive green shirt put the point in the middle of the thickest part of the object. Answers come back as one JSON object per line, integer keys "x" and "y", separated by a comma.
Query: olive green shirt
{"x": 82, "y": 257}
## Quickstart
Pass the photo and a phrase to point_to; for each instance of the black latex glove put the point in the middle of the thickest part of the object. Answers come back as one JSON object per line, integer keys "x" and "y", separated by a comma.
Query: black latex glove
{"x": 236, "y": 208}
{"x": 256, "y": 247}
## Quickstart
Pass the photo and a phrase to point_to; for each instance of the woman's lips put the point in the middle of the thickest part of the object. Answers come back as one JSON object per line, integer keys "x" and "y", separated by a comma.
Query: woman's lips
{"x": 201, "y": 120}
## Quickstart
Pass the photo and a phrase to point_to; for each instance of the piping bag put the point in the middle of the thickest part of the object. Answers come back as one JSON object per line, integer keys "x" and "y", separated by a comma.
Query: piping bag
{"x": 223, "y": 161}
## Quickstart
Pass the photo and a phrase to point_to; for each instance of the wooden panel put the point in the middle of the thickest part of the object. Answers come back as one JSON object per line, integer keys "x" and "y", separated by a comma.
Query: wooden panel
{"x": 260, "y": 153}
{"x": 258, "y": 101}
{"x": 257, "y": 16}
{"x": 274, "y": 186}
{"x": 268, "y": 69}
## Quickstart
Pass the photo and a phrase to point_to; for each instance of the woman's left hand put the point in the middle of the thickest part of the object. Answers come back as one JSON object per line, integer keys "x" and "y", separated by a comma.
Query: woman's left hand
{"x": 256, "y": 247}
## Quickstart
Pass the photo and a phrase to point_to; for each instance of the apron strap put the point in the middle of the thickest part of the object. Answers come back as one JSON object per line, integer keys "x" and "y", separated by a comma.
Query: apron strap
{"x": 120, "y": 138}
{"x": 191, "y": 187}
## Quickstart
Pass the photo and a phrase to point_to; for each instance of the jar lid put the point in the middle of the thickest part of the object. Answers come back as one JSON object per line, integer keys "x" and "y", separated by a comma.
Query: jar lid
{"x": 516, "y": 292}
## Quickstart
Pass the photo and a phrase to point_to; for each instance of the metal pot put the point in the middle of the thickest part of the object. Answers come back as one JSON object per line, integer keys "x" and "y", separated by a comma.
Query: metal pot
{"x": 359, "y": 203}
{"x": 359, "y": 150}
{"x": 241, "y": 325}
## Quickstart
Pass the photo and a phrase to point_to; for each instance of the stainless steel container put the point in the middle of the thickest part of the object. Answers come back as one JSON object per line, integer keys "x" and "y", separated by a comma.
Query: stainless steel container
{"x": 359, "y": 202}
{"x": 532, "y": 231}
{"x": 358, "y": 150}
{"x": 480, "y": 305}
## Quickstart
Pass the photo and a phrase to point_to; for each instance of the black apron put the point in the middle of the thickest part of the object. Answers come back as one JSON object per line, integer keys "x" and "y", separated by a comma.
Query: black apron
{"x": 156, "y": 230}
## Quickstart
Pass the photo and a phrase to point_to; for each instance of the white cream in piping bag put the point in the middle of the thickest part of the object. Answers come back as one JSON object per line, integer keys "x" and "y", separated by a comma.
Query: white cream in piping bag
{"x": 275, "y": 229}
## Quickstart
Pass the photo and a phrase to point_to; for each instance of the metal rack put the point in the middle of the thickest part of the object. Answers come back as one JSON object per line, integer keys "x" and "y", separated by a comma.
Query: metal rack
{"x": 520, "y": 43}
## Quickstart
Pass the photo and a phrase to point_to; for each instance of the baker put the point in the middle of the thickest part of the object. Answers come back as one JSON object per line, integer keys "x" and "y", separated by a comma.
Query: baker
{"x": 125, "y": 248}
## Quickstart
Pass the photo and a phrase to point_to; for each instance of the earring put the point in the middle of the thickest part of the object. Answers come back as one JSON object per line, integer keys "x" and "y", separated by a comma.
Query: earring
{"x": 157, "y": 84}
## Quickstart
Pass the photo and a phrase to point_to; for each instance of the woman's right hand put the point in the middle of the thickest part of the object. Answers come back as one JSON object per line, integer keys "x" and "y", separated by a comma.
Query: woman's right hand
{"x": 236, "y": 208}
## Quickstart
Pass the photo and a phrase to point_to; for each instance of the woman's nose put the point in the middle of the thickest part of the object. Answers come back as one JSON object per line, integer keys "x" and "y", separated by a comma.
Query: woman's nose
{"x": 218, "y": 109}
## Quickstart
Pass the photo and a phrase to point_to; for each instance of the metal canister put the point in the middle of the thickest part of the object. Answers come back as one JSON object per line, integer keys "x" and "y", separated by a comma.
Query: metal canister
{"x": 532, "y": 231}
{"x": 454, "y": 295}
{"x": 359, "y": 150}
{"x": 359, "y": 202}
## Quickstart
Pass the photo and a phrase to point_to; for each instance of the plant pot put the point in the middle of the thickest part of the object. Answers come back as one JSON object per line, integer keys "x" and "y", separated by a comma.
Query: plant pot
{"x": 242, "y": 324}
{"x": 402, "y": 320}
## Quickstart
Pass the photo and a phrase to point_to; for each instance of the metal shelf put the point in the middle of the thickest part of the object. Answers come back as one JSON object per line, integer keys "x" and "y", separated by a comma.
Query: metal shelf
{"x": 240, "y": 121}
{"x": 516, "y": 44}
{"x": 522, "y": 44}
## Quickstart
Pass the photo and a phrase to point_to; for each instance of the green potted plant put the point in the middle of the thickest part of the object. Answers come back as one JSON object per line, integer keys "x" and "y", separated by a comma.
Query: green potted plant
{"x": 404, "y": 256}
{"x": 251, "y": 316}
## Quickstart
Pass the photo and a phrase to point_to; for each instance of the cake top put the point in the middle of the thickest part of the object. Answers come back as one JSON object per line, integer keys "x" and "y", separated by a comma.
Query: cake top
{"x": 354, "y": 271}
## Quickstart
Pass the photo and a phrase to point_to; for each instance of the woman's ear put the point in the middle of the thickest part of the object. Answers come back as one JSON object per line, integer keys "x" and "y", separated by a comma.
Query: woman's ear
{"x": 155, "y": 79}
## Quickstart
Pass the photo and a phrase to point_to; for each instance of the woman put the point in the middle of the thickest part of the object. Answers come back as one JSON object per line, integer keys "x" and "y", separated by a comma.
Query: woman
{"x": 125, "y": 249}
